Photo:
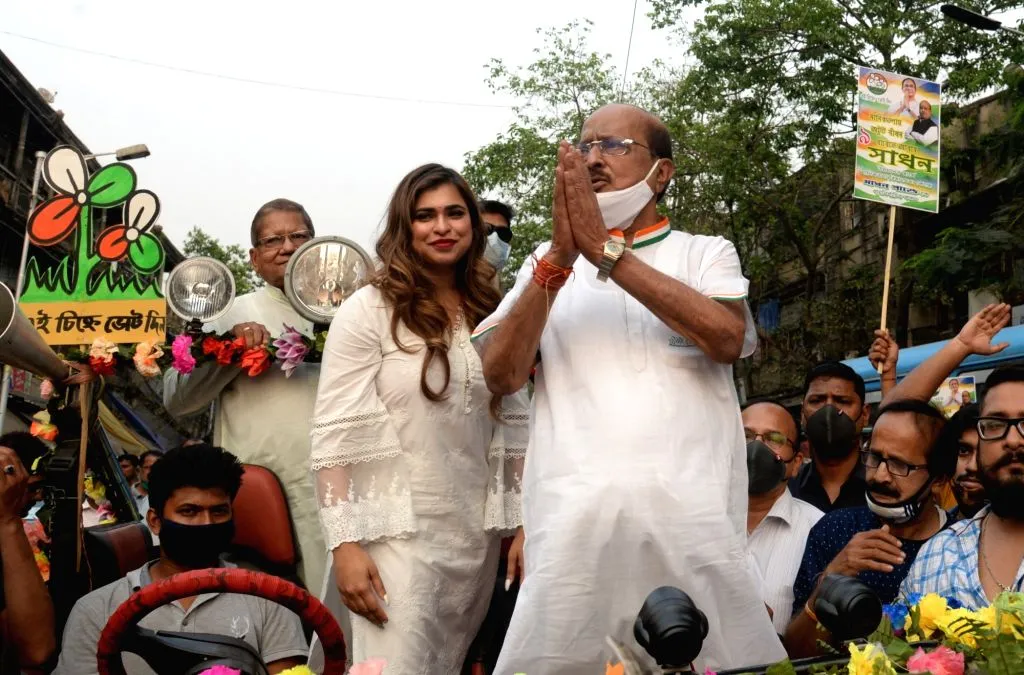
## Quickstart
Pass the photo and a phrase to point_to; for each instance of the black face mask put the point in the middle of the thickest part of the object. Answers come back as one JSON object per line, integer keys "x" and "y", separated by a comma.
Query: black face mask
{"x": 831, "y": 433}
{"x": 764, "y": 468}
{"x": 195, "y": 546}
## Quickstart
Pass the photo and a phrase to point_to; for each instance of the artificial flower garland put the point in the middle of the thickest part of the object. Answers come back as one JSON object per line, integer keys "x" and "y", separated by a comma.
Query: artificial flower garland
{"x": 150, "y": 358}
{"x": 371, "y": 667}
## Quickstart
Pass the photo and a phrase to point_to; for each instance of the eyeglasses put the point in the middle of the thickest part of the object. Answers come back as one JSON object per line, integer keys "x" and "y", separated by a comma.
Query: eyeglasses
{"x": 896, "y": 467}
{"x": 277, "y": 240}
{"x": 504, "y": 233}
{"x": 609, "y": 146}
{"x": 773, "y": 439}
{"x": 996, "y": 428}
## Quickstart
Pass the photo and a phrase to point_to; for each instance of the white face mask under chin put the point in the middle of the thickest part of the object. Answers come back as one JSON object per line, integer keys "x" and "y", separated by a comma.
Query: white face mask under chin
{"x": 620, "y": 208}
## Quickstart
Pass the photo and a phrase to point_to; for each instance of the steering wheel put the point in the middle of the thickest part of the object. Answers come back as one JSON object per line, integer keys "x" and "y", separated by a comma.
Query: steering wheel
{"x": 220, "y": 580}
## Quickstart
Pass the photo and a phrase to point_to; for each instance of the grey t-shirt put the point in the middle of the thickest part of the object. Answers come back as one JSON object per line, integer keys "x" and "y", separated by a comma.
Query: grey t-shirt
{"x": 275, "y": 632}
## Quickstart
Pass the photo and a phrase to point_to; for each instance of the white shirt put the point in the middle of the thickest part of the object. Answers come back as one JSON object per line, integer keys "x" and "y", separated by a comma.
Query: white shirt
{"x": 635, "y": 475}
{"x": 913, "y": 110}
{"x": 777, "y": 545}
{"x": 263, "y": 420}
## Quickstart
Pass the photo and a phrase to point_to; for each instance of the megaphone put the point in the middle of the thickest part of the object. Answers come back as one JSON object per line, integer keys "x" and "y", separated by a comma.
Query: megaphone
{"x": 21, "y": 345}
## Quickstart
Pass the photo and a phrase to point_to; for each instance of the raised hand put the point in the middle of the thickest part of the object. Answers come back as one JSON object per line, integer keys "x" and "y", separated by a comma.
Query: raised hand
{"x": 884, "y": 352}
{"x": 977, "y": 333}
{"x": 13, "y": 486}
{"x": 588, "y": 228}
{"x": 563, "y": 251}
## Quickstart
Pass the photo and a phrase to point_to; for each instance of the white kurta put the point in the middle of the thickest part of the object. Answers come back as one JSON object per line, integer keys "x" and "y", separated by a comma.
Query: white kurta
{"x": 425, "y": 486}
{"x": 265, "y": 419}
{"x": 636, "y": 473}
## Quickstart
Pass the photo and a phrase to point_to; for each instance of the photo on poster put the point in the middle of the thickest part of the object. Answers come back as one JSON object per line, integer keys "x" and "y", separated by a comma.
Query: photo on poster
{"x": 955, "y": 393}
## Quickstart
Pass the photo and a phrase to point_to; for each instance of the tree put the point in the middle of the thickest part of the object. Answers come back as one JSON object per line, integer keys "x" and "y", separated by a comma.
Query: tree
{"x": 198, "y": 243}
{"x": 987, "y": 251}
{"x": 560, "y": 88}
{"x": 775, "y": 80}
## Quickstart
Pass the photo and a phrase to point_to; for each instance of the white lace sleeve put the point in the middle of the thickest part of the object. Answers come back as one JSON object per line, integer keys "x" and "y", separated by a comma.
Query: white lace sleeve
{"x": 360, "y": 471}
{"x": 506, "y": 459}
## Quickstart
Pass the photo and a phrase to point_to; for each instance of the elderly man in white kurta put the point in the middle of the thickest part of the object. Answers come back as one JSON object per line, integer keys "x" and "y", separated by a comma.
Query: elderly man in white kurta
{"x": 636, "y": 470}
{"x": 265, "y": 419}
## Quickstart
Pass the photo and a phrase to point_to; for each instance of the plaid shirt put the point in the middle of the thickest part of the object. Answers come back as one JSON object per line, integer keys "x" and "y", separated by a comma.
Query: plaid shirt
{"x": 948, "y": 565}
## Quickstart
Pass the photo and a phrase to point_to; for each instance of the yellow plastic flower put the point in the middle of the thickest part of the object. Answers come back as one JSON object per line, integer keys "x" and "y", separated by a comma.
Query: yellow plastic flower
{"x": 146, "y": 354}
{"x": 869, "y": 660}
{"x": 1009, "y": 623}
{"x": 931, "y": 610}
{"x": 298, "y": 670}
{"x": 956, "y": 625}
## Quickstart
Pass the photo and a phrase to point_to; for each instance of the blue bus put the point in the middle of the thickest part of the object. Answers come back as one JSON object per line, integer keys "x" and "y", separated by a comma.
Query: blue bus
{"x": 912, "y": 357}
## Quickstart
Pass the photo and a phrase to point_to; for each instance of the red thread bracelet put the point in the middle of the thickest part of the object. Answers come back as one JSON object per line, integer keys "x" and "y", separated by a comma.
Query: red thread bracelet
{"x": 548, "y": 275}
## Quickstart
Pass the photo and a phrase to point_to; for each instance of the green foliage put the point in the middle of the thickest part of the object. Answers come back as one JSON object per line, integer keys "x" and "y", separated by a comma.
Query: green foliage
{"x": 988, "y": 254}
{"x": 762, "y": 125}
{"x": 560, "y": 88}
{"x": 198, "y": 243}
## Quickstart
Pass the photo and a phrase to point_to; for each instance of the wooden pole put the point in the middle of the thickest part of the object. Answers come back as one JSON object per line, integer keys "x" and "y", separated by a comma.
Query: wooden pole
{"x": 85, "y": 407}
{"x": 888, "y": 271}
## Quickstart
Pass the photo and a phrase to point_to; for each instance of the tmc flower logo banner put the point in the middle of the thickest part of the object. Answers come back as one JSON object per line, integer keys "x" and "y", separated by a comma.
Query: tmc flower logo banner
{"x": 95, "y": 281}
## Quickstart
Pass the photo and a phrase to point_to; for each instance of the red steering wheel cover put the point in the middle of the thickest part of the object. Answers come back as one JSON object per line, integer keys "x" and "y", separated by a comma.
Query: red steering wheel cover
{"x": 221, "y": 580}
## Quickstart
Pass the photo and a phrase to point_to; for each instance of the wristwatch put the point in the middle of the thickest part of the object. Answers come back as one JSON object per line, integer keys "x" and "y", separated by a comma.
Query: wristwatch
{"x": 613, "y": 251}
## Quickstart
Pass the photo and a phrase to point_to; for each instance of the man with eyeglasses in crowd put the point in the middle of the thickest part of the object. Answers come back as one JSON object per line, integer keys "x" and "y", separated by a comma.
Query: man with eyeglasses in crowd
{"x": 961, "y": 431}
{"x": 877, "y": 543}
{"x": 265, "y": 420}
{"x": 976, "y": 560}
{"x": 777, "y": 523}
{"x": 636, "y": 475}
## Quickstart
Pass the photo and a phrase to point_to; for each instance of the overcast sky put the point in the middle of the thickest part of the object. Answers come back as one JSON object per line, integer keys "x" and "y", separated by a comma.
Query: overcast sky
{"x": 222, "y": 148}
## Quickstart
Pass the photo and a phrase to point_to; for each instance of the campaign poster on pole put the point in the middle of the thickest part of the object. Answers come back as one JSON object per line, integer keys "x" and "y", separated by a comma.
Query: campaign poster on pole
{"x": 898, "y": 140}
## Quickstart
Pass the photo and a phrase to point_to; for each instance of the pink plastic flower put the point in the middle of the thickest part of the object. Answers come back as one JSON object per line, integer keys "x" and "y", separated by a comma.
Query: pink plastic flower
{"x": 941, "y": 661}
{"x": 181, "y": 350}
{"x": 368, "y": 667}
{"x": 221, "y": 670}
{"x": 291, "y": 350}
{"x": 46, "y": 389}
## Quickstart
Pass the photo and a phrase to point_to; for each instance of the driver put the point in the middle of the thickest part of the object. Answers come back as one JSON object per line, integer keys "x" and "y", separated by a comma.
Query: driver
{"x": 190, "y": 494}
{"x": 265, "y": 419}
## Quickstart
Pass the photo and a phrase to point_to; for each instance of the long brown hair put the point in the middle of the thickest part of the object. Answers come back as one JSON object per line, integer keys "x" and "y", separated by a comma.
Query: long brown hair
{"x": 411, "y": 292}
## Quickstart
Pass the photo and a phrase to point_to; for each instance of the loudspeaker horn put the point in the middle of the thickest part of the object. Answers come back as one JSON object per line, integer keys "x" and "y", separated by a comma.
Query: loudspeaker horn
{"x": 21, "y": 346}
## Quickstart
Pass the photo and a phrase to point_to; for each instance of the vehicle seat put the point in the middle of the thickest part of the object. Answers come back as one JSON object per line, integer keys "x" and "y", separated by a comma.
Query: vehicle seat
{"x": 264, "y": 535}
{"x": 115, "y": 550}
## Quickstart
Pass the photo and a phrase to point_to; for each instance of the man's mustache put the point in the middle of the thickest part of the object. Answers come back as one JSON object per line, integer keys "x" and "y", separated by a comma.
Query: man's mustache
{"x": 970, "y": 475}
{"x": 883, "y": 490}
{"x": 1006, "y": 460}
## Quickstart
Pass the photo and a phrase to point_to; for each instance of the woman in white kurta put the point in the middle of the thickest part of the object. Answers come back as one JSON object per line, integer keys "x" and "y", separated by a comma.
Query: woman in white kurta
{"x": 416, "y": 476}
